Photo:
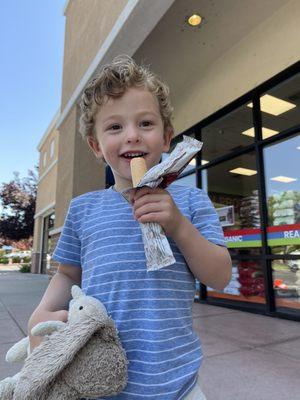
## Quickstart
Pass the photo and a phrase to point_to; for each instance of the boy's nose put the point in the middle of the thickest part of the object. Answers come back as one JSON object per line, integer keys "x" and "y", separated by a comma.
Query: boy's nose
{"x": 133, "y": 136}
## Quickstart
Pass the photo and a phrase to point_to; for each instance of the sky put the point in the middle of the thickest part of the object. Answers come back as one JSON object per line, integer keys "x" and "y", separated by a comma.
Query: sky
{"x": 31, "y": 53}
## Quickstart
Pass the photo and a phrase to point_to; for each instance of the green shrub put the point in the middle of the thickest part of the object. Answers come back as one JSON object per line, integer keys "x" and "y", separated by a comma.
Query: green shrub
{"x": 27, "y": 259}
{"x": 4, "y": 261}
{"x": 25, "y": 268}
{"x": 16, "y": 260}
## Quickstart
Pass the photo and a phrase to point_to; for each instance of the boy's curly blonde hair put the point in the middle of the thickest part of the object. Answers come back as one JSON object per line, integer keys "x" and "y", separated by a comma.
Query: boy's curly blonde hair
{"x": 112, "y": 81}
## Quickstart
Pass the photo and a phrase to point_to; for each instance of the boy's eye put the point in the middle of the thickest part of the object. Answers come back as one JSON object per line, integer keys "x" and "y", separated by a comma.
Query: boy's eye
{"x": 146, "y": 123}
{"x": 114, "y": 127}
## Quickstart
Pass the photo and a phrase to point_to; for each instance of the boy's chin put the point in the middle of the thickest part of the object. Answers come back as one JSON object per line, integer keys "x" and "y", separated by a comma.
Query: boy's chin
{"x": 123, "y": 180}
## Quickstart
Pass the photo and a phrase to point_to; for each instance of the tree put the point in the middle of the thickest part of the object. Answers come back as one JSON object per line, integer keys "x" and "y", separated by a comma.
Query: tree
{"x": 18, "y": 198}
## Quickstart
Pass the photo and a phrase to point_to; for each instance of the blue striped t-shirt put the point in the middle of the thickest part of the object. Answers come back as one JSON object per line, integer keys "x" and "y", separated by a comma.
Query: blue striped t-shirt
{"x": 152, "y": 310}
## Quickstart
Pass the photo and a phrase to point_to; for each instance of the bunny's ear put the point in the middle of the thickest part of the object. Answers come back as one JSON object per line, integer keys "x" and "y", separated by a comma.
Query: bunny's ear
{"x": 76, "y": 292}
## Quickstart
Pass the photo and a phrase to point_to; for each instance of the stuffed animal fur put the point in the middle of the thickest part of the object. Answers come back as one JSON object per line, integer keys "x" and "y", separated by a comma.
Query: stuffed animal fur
{"x": 80, "y": 358}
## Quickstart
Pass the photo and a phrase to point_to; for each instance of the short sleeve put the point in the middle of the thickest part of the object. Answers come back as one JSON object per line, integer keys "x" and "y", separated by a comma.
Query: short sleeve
{"x": 68, "y": 248}
{"x": 205, "y": 218}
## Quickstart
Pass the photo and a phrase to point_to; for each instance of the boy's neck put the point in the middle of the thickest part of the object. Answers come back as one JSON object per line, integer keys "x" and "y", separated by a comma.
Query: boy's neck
{"x": 120, "y": 187}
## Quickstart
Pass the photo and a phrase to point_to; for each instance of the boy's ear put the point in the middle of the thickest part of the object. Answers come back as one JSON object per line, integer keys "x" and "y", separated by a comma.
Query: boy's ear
{"x": 168, "y": 136}
{"x": 94, "y": 146}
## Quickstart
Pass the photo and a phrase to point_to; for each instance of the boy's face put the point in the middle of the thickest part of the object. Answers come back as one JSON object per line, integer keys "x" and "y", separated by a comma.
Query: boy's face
{"x": 130, "y": 124}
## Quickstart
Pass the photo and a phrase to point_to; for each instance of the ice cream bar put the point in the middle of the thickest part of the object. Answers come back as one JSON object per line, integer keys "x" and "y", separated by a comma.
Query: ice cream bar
{"x": 158, "y": 251}
{"x": 138, "y": 169}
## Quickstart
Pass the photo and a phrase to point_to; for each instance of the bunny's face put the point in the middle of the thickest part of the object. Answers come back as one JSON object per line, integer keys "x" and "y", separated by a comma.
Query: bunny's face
{"x": 84, "y": 307}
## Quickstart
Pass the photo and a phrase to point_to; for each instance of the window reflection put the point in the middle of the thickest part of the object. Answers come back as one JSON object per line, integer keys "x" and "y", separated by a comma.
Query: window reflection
{"x": 283, "y": 195}
{"x": 286, "y": 282}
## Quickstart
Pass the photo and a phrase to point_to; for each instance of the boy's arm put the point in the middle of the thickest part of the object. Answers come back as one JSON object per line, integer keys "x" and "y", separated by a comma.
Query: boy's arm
{"x": 55, "y": 301}
{"x": 58, "y": 293}
{"x": 209, "y": 263}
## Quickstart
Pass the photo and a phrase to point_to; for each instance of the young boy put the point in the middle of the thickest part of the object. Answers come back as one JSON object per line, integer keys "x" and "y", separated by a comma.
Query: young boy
{"x": 126, "y": 112}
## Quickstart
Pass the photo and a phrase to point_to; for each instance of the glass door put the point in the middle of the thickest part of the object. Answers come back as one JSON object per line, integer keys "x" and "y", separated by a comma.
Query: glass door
{"x": 282, "y": 174}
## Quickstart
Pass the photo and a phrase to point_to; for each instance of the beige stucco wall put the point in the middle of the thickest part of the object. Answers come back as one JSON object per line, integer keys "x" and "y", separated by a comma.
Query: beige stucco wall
{"x": 89, "y": 173}
{"x": 78, "y": 171}
{"x": 64, "y": 188}
{"x": 88, "y": 23}
{"x": 270, "y": 48}
{"x": 37, "y": 234}
{"x": 46, "y": 190}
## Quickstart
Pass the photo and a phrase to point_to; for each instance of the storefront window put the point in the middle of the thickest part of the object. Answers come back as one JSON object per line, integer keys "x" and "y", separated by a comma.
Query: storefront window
{"x": 232, "y": 187}
{"x": 286, "y": 282}
{"x": 247, "y": 283}
{"x": 282, "y": 173}
{"x": 280, "y": 107}
{"x": 228, "y": 134}
{"x": 231, "y": 180}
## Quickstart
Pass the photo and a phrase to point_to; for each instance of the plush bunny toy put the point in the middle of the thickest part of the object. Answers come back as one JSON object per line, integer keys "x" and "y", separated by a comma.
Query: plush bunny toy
{"x": 80, "y": 358}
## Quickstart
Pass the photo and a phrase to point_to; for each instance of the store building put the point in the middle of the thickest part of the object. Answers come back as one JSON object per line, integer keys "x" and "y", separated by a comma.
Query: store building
{"x": 235, "y": 85}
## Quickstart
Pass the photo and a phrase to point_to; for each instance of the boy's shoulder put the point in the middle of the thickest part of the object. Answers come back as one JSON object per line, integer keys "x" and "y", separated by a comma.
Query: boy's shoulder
{"x": 188, "y": 195}
{"x": 88, "y": 196}
{"x": 175, "y": 188}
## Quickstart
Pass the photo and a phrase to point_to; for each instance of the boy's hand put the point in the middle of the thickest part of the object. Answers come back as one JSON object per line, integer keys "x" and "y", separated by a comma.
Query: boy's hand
{"x": 42, "y": 316}
{"x": 157, "y": 205}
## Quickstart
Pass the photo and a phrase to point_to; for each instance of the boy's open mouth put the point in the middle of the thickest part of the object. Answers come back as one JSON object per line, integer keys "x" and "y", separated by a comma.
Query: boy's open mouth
{"x": 132, "y": 154}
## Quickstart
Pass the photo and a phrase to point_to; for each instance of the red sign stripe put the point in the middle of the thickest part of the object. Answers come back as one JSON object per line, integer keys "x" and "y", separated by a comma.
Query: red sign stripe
{"x": 281, "y": 228}
{"x": 253, "y": 231}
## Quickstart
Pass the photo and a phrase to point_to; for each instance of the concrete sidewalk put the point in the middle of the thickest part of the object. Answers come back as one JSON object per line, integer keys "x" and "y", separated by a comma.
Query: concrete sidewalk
{"x": 246, "y": 356}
